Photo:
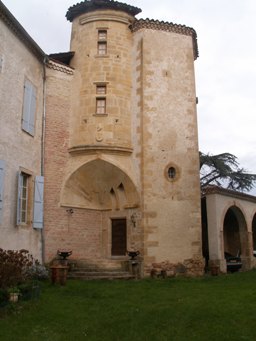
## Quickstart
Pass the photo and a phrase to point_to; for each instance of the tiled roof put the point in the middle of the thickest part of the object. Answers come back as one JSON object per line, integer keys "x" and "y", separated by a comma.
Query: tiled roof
{"x": 228, "y": 192}
{"x": 20, "y": 32}
{"x": 166, "y": 26}
{"x": 62, "y": 57}
{"x": 92, "y": 5}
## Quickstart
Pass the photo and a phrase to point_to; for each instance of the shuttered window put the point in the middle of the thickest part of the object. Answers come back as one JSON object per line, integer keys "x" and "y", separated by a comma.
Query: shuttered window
{"x": 29, "y": 108}
{"x": 2, "y": 171}
{"x": 38, "y": 202}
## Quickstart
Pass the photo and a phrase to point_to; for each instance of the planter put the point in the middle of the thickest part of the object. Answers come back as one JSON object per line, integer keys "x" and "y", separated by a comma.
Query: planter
{"x": 59, "y": 274}
{"x": 14, "y": 297}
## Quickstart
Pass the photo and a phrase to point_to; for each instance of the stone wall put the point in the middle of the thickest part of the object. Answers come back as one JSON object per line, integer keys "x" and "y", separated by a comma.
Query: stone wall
{"x": 167, "y": 124}
{"x": 18, "y": 149}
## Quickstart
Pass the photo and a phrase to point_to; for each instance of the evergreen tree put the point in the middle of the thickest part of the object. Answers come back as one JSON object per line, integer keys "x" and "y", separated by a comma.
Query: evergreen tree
{"x": 224, "y": 170}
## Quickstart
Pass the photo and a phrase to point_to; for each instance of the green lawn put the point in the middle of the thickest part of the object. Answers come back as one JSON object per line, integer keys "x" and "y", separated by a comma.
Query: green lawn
{"x": 209, "y": 308}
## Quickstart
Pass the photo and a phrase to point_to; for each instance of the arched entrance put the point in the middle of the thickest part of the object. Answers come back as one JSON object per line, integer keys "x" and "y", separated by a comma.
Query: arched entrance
{"x": 235, "y": 236}
{"x": 106, "y": 191}
{"x": 100, "y": 185}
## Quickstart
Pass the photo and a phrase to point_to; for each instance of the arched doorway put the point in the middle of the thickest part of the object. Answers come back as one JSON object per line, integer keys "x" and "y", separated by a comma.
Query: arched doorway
{"x": 109, "y": 192}
{"x": 235, "y": 237}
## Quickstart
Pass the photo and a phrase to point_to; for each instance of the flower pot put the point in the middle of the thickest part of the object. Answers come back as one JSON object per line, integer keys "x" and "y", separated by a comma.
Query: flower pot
{"x": 14, "y": 297}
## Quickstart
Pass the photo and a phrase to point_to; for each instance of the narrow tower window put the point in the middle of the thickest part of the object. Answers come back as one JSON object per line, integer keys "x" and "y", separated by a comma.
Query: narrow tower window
{"x": 102, "y": 42}
{"x": 101, "y": 106}
{"x": 101, "y": 90}
{"x": 101, "y": 101}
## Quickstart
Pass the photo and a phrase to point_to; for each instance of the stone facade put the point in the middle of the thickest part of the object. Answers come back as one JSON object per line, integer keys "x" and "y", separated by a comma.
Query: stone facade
{"x": 125, "y": 177}
{"x": 21, "y": 60}
{"x": 115, "y": 136}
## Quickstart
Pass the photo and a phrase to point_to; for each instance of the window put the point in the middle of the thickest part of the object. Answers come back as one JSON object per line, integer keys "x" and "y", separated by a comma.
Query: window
{"x": 100, "y": 106}
{"x": 101, "y": 89}
{"x": 25, "y": 203}
{"x": 22, "y": 207}
{"x": 2, "y": 171}
{"x": 29, "y": 108}
{"x": 172, "y": 172}
{"x": 102, "y": 48}
{"x": 102, "y": 42}
{"x": 102, "y": 35}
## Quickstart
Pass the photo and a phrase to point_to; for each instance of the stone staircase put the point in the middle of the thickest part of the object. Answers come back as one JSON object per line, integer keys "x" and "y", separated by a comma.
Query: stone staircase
{"x": 85, "y": 271}
{"x": 90, "y": 274}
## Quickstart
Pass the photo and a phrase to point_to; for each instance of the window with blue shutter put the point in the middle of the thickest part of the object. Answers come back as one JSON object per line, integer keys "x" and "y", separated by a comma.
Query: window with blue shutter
{"x": 29, "y": 108}
{"x": 38, "y": 202}
{"x": 2, "y": 170}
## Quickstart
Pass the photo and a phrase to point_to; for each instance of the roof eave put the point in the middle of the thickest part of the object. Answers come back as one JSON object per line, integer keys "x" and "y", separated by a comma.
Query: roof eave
{"x": 94, "y": 5}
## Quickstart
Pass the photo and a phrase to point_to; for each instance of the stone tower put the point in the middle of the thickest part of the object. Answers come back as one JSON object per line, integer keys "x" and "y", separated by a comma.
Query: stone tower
{"x": 121, "y": 153}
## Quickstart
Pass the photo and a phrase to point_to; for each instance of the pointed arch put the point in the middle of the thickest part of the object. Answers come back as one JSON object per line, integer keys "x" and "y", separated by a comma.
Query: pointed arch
{"x": 100, "y": 185}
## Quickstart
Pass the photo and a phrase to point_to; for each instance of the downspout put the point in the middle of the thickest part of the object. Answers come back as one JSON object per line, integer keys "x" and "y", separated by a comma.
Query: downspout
{"x": 45, "y": 60}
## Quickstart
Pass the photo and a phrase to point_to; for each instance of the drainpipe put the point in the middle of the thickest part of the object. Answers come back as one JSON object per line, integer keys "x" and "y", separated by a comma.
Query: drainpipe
{"x": 45, "y": 60}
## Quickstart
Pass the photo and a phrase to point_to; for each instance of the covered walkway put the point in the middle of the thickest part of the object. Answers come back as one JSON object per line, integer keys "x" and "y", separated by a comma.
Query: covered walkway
{"x": 229, "y": 227}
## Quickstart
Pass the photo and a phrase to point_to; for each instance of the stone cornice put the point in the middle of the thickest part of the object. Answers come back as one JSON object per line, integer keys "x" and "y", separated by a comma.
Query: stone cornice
{"x": 94, "y": 5}
{"x": 100, "y": 148}
{"x": 139, "y": 24}
{"x": 227, "y": 192}
{"x": 20, "y": 32}
{"x": 52, "y": 64}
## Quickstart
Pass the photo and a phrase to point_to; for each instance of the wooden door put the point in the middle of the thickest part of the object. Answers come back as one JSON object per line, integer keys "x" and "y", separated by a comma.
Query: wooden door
{"x": 119, "y": 237}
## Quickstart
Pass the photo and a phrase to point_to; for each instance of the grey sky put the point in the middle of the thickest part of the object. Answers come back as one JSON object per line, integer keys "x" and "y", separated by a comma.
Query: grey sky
{"x": 225, "y": 69}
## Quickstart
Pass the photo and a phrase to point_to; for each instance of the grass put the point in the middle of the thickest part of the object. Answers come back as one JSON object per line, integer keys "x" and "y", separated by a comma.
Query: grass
{"x": 208, "y": 308}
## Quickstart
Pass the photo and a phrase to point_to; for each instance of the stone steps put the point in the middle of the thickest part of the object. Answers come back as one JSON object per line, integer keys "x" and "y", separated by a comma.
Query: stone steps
{"x": 92, "y": 274}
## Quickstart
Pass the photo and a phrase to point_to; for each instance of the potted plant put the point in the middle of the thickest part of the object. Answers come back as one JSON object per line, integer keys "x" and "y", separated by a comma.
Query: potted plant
{"x": 14, "y": 293}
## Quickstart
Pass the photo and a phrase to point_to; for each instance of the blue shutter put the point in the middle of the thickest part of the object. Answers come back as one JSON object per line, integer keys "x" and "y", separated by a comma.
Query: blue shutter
{"x": 32, "y": 112}
{"x": 20, "y": 182}
{"x": 26, "y": 106}
{"x": 29, "y": 108}
{"x": 2, "y": 170}
{"x": 38, "y": 202}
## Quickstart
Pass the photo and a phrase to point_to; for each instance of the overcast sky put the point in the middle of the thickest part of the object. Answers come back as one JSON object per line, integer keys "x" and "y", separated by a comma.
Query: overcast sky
{"x": 225, "y": 69}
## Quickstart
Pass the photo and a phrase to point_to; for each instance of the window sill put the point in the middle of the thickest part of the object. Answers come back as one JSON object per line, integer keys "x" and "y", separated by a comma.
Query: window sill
{"x": 101, "y": 56}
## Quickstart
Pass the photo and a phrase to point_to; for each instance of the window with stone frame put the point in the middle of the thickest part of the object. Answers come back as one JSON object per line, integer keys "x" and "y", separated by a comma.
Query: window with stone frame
{"x": 101, "y": 101}
{"x": 102, "y": 42}
{"x": 101, "y": 106}
{"x": 24, "y": 198}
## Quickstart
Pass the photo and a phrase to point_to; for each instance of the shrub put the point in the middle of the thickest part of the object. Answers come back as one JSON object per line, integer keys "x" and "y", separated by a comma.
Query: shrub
{"x": 4, "y": 296}
{"x": 14, "y": 267}
{"x": 37, "y": 272}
